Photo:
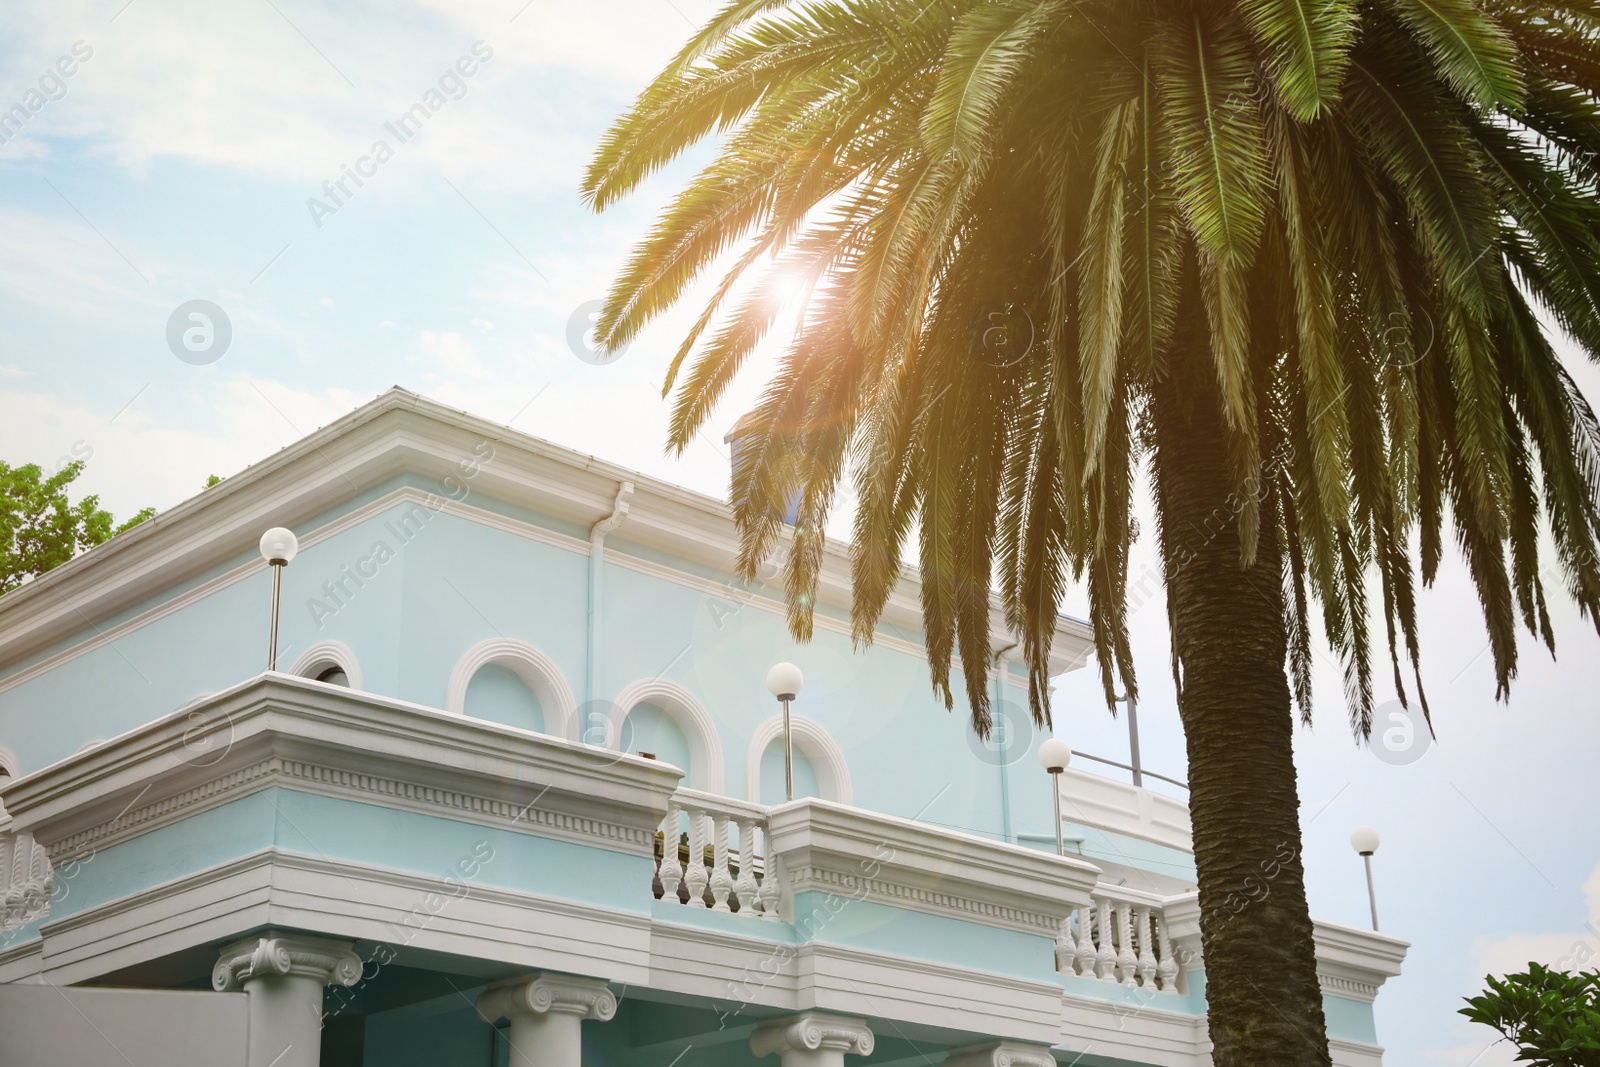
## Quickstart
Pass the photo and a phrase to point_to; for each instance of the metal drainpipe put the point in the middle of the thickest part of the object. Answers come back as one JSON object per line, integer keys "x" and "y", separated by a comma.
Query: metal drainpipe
{"x": 597, "y": 558}
{"x": 1005, "y": 741}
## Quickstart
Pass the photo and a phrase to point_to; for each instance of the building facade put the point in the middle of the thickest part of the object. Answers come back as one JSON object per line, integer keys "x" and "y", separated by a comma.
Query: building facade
{"x": 515, "y": 793}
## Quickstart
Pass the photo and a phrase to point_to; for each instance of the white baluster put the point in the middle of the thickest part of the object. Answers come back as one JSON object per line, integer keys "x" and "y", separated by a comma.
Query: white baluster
{"x": 1066, "y": 948}
{"x": 1168, "y": 967}
{"x": 671, "y": 872}
{"x": 721, "y": 880}
{"x": 1147, "y": 956}
{"x": 695, "y": 874}
{"x": 744, "y": 887}
{"x": 1127, "y": 962}
{"x": 1106, "y": 957}
{"x": 1086, "y": 941}
{"x": 769, "y": 892}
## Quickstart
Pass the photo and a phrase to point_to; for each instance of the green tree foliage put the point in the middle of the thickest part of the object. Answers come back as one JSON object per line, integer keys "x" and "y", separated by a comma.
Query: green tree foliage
{"x": 41, "y": 529}
{"x": 1292, "y": 259}
{"x": 1551, "y": 1016}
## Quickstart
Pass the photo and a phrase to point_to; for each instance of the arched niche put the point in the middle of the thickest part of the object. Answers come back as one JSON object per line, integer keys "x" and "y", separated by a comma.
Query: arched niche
{"x": 810, "y": 739}
{"x": 537, "y": 671}
{"x": 325, "y": 656}
{"x": 705, "y": 770}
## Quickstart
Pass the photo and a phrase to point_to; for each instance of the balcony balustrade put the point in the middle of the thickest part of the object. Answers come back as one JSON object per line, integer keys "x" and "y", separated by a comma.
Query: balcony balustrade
{"x": 717, "y": 862}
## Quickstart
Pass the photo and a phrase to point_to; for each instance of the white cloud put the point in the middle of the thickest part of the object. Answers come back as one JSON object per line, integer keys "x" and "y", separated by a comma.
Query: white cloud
{"x": 294, "y": 90}
{"x": 1508, "y": 953}
{"x": 144, "y": 458}
{"x": 1573, "y": 949}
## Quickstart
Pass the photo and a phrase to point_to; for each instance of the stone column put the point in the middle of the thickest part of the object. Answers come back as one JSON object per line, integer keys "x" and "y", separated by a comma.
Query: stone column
{"x": 547, "y": 1013}
{"x": 284, "y": 975}
{"x": 1000, "y": 1054}
{"x": 814, "y": 1039}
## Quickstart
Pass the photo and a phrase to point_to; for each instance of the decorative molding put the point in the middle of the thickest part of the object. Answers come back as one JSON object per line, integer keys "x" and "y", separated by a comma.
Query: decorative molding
{"x": 1000, "y": 1054}
{"x": 395, "y": 434}
{"x": 331, "y": 962}
{"x": 27, "y": 880}
{"x": 547, "y": 994}
{"x": 1354, "y": 1053}
{"x": 1354, "y": 963}
{"x": 811, "y": 1032}
{"x": 9, "y": 764}
{"x": 537, "y": 671}
{"x": 814, "y": 742}
{"x": 824, "y": 879}
{"x": 864, "y": 855}
{"x": 324, "y": 654}
{"x": 389, "y": 913}
{"x": 699, "y": 728}
{"x": 487, "y": 809}
{"x": 281, "y": 730}
{"x": 1349, "y": 988}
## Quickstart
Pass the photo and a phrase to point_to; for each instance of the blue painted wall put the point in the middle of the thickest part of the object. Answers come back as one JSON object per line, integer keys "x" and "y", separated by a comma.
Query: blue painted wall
{"x": 411, "y": 589}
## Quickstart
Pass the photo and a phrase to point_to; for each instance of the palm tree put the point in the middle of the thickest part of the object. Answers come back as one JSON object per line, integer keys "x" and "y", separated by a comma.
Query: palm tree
{"x": 1295, "y": 258}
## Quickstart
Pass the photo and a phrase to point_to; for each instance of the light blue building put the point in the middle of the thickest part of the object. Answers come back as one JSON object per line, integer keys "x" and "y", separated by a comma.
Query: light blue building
{"x": 516, "y": 790}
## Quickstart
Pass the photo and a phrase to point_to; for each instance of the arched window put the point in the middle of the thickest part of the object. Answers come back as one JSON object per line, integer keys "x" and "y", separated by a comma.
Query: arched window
{"x": 331, "y": 662}
{"x": 524, "y": 686}
{"x": 668, "y": 715}
{"x": 816, "y": 753}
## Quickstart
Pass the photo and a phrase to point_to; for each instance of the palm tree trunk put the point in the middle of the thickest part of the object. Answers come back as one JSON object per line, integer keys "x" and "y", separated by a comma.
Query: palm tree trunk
{"x": 1229, "y": 640}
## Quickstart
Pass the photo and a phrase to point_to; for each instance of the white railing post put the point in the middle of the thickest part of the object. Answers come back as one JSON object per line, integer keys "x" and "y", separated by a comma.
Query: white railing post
{"x": 1127, "y": 962}
{"x": 721, "y": 879}
{"x": 1106, "y": 957}
{"x": 1147, "y": 956}
{"x": 744, "y": 887}
{"x": 671, "y": 871}
{"x": 1086, "y": 941}
{"x": 1167, "y": 968}
{"x": 1066, "y": 948}
{"x": 695, "y": 875}
{"x": 731, "y": 825}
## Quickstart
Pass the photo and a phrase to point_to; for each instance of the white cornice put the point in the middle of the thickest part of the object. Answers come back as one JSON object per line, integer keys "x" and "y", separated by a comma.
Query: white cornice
{"x": 830, "y": 848}
{"x": 1353, "y": 963}
{"x": 281, "y": 730}
{"x": 400, "y": 432}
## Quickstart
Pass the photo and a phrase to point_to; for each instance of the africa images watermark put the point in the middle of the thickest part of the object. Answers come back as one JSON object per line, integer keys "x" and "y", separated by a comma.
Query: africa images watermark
{"x": 52, "y": 86}
{"x": 338, "y": 591}
{"x": 452, "y": 85}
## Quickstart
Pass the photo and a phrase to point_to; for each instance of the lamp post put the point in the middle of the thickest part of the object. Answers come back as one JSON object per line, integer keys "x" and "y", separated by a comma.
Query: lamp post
{"x": 784, "y": 681}
{"x": 1054, "y": 755}
{"x": 1364, "y": 839}
{"x": 278, "y": 547}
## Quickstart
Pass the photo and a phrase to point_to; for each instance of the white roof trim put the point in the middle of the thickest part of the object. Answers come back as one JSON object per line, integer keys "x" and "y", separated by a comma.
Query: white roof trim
{"x": 396, "y": 433}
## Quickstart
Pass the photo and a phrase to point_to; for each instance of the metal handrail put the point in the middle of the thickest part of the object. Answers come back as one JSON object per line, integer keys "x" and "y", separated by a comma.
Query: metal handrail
{"x": 1126, "y": 767}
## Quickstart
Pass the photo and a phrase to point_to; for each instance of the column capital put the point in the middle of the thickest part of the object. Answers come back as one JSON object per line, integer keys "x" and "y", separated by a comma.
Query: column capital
{"x": 811, "y": 1032}
{"x": 1000, "y": 1054}
{"x": 272, "y": 953}
{"x": 548, "y": 994}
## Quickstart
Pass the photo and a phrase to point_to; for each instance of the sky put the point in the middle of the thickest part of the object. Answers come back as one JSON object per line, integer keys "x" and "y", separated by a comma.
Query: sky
{"x": 194, "y": 153}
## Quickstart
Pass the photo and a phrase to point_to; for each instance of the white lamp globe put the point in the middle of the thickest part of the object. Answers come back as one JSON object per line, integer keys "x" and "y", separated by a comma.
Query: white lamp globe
{"x": 1054, "y": 755}
{"x": 784, "y": 681}
{"x": 1364, "y": 839}
{"x": 278, "y": 546}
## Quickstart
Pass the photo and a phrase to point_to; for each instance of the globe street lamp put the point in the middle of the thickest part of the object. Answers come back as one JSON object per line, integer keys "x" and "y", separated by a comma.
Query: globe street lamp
{"x": 1364, "y": 839}
{"x": 278, "y": 547}
{"x": 784, "y": 681}
{"x": 1054, "y": 755}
